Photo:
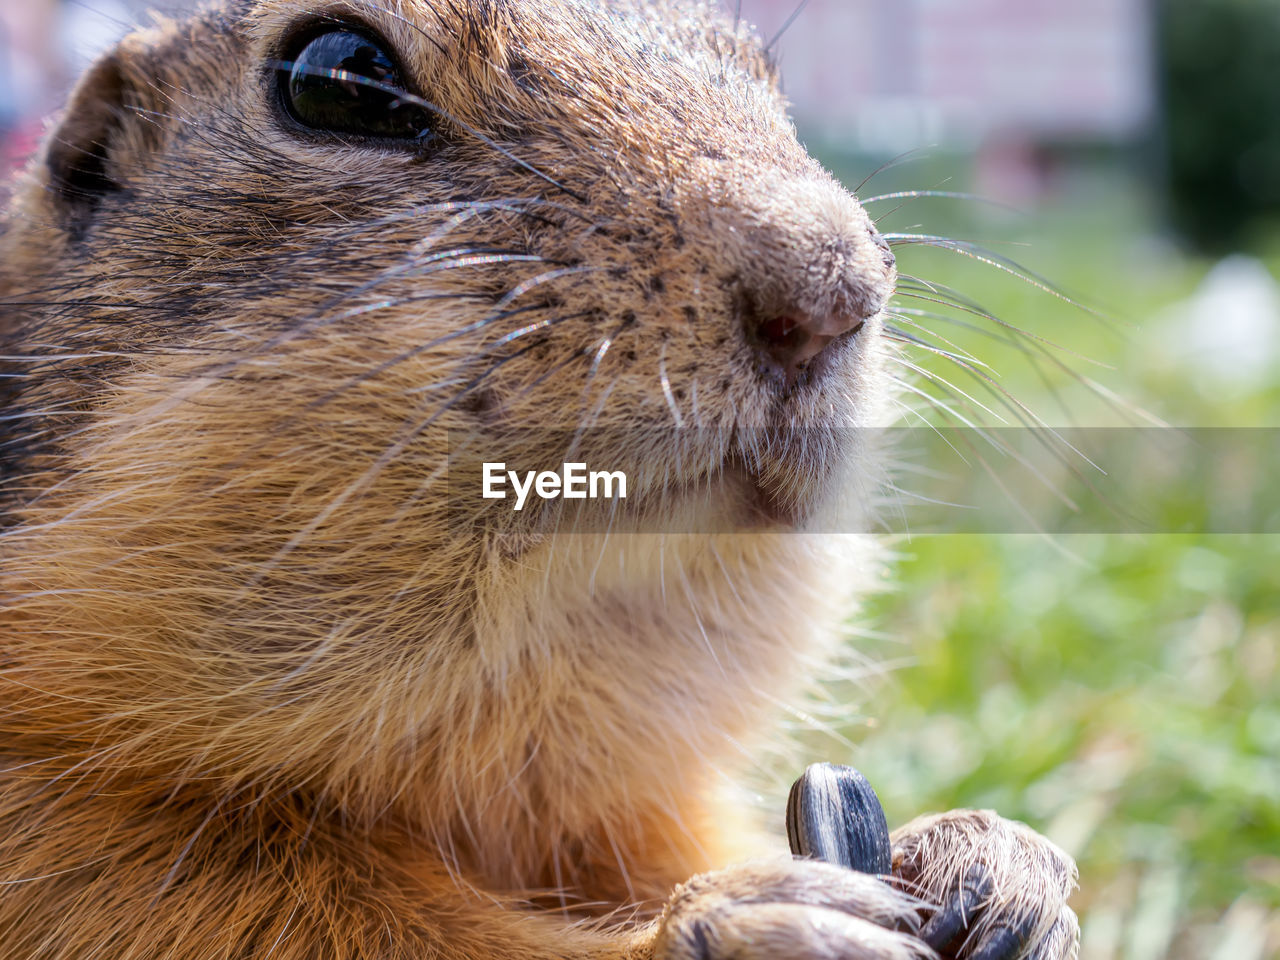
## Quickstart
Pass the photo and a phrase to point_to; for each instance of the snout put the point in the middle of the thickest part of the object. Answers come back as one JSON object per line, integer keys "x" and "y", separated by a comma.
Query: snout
{"x": 814, "y": 271}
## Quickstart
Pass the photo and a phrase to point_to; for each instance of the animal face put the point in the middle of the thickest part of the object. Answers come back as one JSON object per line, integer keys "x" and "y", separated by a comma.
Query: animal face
{"x": 593, "y": 218}
{"x": 284, "y": 257}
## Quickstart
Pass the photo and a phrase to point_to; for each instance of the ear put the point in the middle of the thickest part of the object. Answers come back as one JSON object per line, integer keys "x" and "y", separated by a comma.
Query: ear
{"x": 103, "y": 130}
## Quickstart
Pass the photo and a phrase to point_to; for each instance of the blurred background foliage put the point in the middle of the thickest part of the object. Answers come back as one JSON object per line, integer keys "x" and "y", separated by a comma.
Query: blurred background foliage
{"x": 1122, "y": 695}
{"x": 1119, "y": 692}
{"x": 1221, "y": 95}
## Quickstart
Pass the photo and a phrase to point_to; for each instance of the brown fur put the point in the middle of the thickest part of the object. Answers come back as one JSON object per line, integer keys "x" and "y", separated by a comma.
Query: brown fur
{"x": 259, "y": 699}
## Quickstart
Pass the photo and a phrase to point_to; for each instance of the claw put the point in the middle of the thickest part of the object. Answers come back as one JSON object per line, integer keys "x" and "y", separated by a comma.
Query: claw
{"x": 1000, "y": 889}
{"x": 1002, "y": 943}
{"x": 945, "y": 931}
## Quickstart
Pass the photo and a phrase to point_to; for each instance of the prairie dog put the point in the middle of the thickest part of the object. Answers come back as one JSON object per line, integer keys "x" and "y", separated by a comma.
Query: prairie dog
{"x": 261, "y": 699}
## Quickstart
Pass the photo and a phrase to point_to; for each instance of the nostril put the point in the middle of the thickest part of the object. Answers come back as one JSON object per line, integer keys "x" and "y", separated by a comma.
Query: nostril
{"x": 779, "y": 332}
{"x": 791, "y": 340}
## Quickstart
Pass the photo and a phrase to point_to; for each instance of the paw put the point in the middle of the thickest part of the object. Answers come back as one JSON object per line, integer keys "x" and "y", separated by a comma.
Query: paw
{"x": 789, "y": 910}
{"x": 1000, "y": 888}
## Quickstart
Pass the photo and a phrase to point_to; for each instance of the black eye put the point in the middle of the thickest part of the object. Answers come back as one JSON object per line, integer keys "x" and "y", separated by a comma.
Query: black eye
{"x": 343, "y": 82}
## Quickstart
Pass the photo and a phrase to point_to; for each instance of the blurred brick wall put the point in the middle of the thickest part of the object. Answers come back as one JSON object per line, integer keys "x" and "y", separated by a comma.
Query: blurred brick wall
{"x": 883, "y": 76}
{"x": 890, "y": 75}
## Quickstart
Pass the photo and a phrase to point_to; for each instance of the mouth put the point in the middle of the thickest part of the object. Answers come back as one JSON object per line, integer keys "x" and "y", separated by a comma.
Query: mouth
{"x": 770, "y": 459}
{"x": 776, "y": 480}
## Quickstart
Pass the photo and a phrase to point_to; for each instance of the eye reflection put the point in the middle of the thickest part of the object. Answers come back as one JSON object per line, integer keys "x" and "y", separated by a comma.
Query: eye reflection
{"x": 338, "y": 82}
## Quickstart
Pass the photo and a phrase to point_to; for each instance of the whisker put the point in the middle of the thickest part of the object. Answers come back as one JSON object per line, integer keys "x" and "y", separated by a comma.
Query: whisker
{"x": 990, "y": 258}
{"x": 979, "y": 312}
{"x": 912, "y": 338}
{"x": 936, "y": 403}
{"x": 945, "y": 194}
{"x": 889, "y": 164}
{"x": 795, "y": 15}
{"x": 944, "y": 382}
{"x": 666, "y": 382}
{"x": 539, "y": 325}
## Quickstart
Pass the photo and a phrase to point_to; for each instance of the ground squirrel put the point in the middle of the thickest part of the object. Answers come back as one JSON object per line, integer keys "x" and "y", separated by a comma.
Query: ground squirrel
{"x": 259, "y": 699}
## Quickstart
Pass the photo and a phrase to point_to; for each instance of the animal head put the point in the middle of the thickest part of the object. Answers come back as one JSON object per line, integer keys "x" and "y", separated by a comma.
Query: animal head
{"x": 275, "y": 260}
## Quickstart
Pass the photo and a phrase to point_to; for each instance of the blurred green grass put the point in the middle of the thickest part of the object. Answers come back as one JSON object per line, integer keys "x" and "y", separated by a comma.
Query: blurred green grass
{"x": 1120, "y": 693}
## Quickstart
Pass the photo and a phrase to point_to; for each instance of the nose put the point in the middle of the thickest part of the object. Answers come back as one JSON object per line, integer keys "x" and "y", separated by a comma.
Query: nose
{"x": 813, "y": 271}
